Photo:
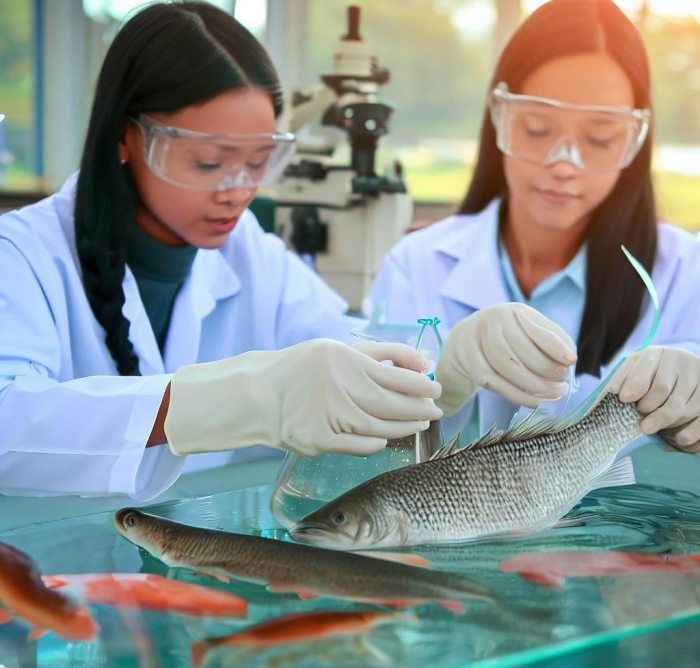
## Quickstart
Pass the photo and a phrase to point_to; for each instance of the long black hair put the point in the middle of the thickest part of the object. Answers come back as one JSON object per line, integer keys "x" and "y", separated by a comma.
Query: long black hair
{"x": 614, "y": 292}
{"x": 166, "y": 57}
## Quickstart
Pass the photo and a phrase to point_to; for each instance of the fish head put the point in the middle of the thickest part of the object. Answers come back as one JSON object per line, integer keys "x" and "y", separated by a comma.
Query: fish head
{"x": 349, "y": 523}
{"x": 140, "y": 529}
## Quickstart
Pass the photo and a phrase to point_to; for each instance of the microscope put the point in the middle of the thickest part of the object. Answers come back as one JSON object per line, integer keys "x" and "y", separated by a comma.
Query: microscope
{"x": 343, "y": 218}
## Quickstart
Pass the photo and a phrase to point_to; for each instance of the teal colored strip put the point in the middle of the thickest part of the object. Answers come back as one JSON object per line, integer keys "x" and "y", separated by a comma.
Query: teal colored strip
{"x": 432, "y": 323}
{"x": 649, "y": 284}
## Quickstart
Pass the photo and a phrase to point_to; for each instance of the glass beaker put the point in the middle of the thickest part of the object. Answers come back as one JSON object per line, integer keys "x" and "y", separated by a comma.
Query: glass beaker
{"x": 306, "y": 483}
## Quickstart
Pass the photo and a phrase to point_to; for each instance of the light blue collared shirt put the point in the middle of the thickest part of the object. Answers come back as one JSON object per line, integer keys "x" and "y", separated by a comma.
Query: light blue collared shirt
{"x": 560, "y": 297}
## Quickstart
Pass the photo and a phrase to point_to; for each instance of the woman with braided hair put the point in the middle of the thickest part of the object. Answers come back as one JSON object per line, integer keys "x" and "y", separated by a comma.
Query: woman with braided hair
{"x": 142, "y": 305}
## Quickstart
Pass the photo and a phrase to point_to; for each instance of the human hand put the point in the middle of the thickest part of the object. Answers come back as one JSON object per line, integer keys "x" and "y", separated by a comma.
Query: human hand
{"x": 511, "y": 349}
{"x": 663, "y": 382}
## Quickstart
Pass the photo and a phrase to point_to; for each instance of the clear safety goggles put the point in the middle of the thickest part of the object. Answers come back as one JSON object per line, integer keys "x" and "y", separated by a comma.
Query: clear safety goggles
{"x": 200, "y": 161}
{"x": 592, "y": 138}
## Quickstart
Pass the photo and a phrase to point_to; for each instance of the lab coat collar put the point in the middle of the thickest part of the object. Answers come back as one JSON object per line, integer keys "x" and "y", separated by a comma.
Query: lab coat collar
{"x": 211, "y": 279}
{"x": 476, "y": 279}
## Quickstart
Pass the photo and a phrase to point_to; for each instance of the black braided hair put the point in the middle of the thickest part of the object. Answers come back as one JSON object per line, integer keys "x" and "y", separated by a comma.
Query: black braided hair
{"x": 614, "y": 292}
{"x": 166, "y": 57}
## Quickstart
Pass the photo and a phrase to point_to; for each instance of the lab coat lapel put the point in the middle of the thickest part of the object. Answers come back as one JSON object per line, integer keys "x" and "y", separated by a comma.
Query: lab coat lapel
{"x": 140, "y": 331}
{"x": 210, "y": 280}
{"x": 476, "y": 280}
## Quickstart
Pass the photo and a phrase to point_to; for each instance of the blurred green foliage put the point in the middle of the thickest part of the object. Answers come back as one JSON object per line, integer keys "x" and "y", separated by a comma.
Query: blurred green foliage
{"x": 17, "y": 82}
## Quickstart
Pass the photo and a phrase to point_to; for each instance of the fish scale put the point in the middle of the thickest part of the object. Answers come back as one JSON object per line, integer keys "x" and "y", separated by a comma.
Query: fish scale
{"x": 506, "y": 484}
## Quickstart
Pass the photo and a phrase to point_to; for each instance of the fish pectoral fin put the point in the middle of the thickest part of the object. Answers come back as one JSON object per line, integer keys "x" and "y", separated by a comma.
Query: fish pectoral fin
{"x": 199, "y": 652}
{"x": 307, "y": 595}
{"x": 281, "y": 588}
{"x": 36, "y": 634}
{"x": 568, "y": 522}
{"x": 453, "y": 606}
{"x": 215, "y": 576}
{"x": 53, "y": 581}
{"x": 399, "y": 557}
{"x": 5, "y": 616}
{"x": 544, "y": 579}
{"x": 619, "y": 474}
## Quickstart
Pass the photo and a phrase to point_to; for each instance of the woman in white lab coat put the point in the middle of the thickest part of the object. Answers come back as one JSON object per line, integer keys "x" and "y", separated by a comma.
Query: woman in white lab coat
{"x": 147, "y": 264}
{"x": 562, "y": 179}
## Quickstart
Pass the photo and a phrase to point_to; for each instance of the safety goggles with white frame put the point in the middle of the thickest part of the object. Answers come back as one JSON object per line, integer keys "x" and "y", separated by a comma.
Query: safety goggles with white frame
{"x": 541, "y": 130}
{"x": 201, "y": 161}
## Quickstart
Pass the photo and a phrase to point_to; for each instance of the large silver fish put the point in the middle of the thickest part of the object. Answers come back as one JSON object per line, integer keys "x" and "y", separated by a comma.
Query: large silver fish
{"x": 288, "y": 567}
{"x": 523, "y": 480}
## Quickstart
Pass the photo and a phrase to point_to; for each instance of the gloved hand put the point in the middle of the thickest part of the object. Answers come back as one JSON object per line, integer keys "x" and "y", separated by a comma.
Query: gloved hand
{"x": 314, "y": 397}
{"x": 665, "y": 384}
{"x": 511, "y": 349}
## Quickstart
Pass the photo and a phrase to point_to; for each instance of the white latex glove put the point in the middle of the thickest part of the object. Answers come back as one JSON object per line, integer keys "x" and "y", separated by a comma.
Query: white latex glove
{"x": 314, "y": 397}
{"x": 511, "y": 349}
{"x": 664, "y": 383}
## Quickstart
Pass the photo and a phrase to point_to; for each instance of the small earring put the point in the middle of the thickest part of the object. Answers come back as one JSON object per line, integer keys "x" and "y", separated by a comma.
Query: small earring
{"x": 122, "y": 161}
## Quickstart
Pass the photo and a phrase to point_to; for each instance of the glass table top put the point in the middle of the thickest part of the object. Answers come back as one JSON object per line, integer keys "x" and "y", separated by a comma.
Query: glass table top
{"x": 641, "y": 619}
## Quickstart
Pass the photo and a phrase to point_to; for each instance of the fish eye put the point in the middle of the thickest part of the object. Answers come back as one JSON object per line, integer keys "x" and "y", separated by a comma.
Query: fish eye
{"x": 130, "y": 520}
{"x": 339, "y": 519}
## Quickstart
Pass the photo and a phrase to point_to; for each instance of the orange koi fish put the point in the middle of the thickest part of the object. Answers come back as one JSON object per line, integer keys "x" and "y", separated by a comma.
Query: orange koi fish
{"x": 23, "y": 594}
{"x": 550, "y": 569}
{"x": 298, "y": 627}
{"x": 151, "y": 592}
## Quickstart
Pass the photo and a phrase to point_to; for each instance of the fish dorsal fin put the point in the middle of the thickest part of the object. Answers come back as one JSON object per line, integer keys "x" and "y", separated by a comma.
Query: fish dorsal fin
{"x": 619, "y": 474}
{"x": 446, "y": 450}
{"x": 491, "y": 437}
{"x": 529, "y": 427}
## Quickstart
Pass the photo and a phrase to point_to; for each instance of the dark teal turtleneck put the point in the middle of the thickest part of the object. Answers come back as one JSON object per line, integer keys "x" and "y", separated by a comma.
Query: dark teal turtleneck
{"x": 160, "y": 270}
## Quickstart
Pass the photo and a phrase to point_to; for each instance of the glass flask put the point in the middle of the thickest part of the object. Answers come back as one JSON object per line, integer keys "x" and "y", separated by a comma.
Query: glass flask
{"x": 306, "y": 483}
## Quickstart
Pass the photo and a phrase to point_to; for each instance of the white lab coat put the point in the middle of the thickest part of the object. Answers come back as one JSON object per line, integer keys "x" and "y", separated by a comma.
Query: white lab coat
{"x": 69, "y": 424}
{"x": 452, "y": 269}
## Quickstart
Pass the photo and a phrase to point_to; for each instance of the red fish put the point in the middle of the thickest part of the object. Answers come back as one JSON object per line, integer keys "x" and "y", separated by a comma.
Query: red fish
{"x": 23, "y": 594}
{"x": 298, "y": 627}
{"x": 550, "y": 569}
{"x": 151, "y": 592}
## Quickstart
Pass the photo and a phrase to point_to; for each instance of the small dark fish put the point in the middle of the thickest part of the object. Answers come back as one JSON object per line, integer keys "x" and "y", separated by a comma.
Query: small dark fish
{"x": 289, "y": 567}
